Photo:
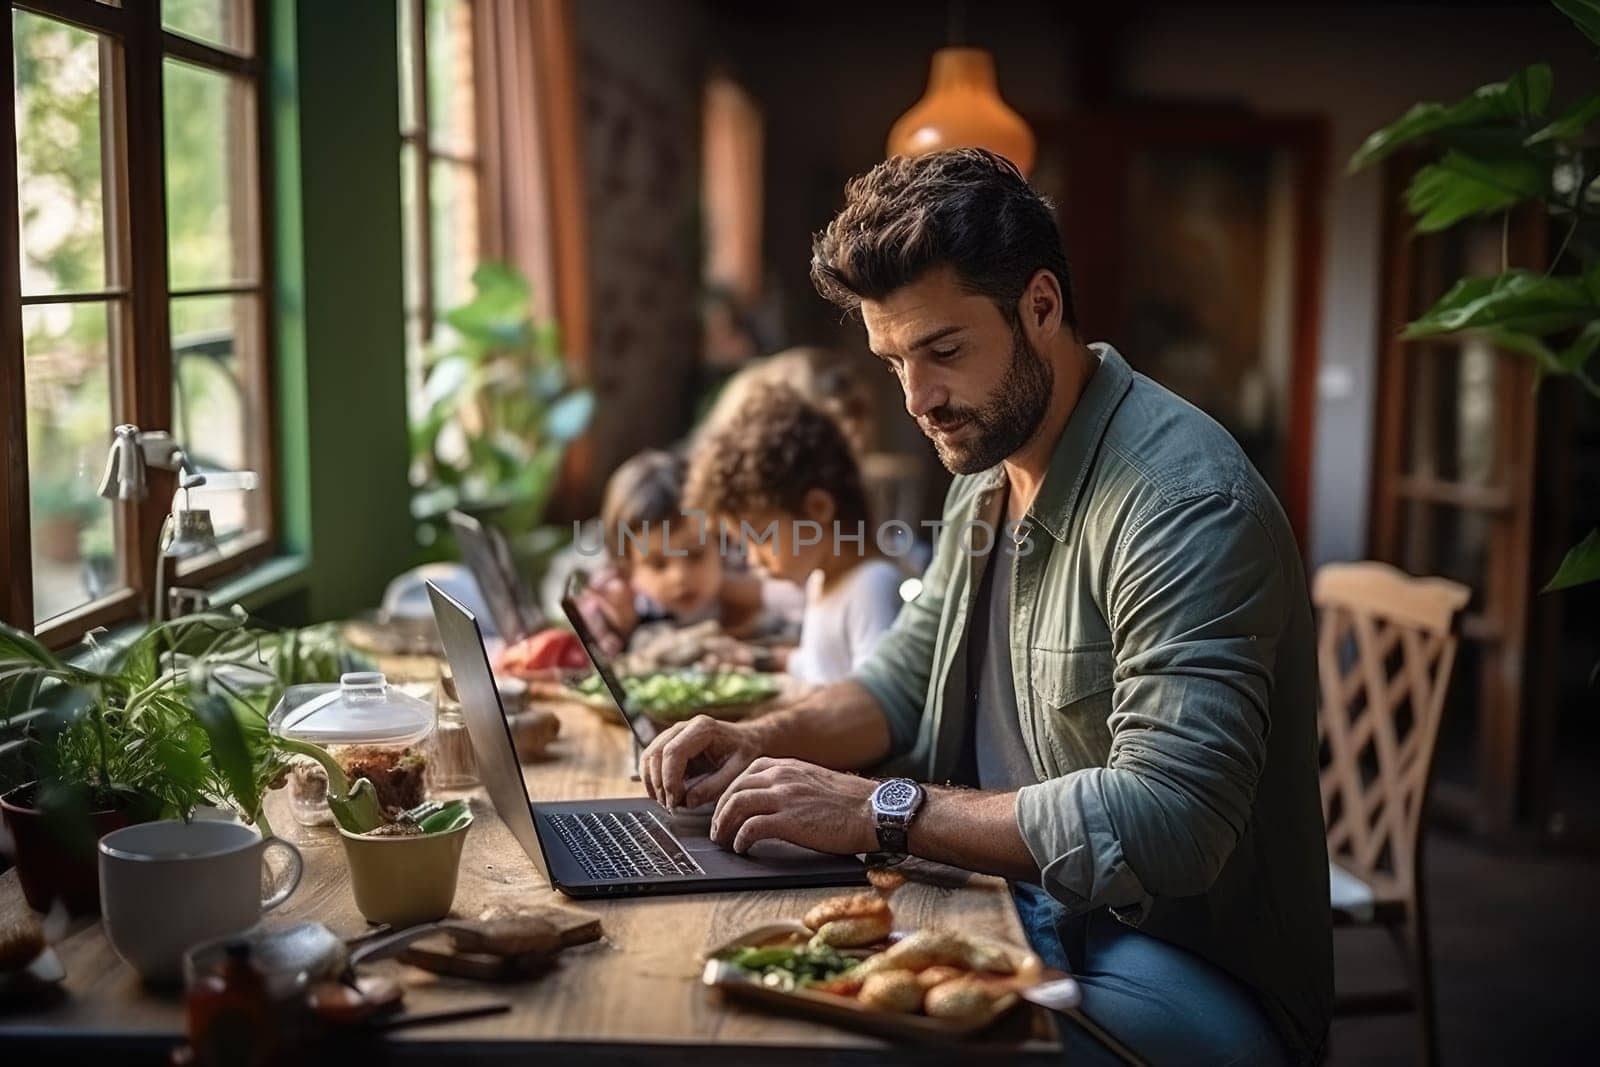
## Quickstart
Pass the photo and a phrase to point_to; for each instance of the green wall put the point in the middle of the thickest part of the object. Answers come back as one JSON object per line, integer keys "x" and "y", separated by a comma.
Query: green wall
{"x": 341, "y": 408}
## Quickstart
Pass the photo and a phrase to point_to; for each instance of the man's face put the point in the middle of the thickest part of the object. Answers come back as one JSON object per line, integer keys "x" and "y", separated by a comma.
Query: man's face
{"x": 975, "y": 385}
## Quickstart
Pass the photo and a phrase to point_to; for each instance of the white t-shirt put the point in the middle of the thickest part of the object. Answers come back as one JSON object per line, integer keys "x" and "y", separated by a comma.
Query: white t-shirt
{"x": 842, "y": 626}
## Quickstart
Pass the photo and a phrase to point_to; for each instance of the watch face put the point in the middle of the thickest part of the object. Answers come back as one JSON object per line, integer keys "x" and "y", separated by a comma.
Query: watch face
{"x": 896, "y": 796}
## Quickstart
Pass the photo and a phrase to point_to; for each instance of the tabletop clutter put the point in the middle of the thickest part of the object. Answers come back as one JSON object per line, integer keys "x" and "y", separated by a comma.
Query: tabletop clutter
{"x": 385, "y": 770}
{"x": 389, "y": 772}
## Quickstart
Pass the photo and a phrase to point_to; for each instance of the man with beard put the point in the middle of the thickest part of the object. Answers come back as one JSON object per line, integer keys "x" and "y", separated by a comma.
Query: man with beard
{"x": 1111, "y": 664}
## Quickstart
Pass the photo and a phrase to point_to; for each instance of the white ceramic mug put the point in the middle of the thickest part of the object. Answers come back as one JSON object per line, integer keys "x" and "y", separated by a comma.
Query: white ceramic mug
{"x": 165, "y": 886}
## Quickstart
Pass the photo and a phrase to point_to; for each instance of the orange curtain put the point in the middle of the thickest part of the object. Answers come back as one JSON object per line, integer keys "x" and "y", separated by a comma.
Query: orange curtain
{"x": 533, "y": 199}
{"x": 731, "y": 188}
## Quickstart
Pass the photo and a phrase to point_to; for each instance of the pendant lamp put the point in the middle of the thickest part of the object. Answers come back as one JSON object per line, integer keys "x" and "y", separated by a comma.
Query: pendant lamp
{"x": 962, "y": 109}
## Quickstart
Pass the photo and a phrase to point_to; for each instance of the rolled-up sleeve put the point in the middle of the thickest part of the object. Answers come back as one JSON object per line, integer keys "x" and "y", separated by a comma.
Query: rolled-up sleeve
{"x": 897, "y": 672}
{"x": 1195, "y": 597}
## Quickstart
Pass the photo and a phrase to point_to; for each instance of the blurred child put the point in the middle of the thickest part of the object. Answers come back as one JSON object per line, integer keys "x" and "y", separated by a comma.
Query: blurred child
{"x": 662, "y": 565}
{"x": 781, "y": 475}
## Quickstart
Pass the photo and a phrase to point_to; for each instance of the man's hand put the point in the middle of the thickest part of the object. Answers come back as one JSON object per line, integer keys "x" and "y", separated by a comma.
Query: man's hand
{"x": 789, "y": 800}
{"x": 718, "y": 751}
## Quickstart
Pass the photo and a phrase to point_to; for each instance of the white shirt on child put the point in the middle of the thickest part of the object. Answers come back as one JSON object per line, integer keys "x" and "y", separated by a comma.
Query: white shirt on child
{"x": 841, "y": 626}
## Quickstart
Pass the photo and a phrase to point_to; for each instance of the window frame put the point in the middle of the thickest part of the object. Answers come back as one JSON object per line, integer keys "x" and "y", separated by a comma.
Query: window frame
{"x": 418, "y": 137}
{"x": 141, "y": 365}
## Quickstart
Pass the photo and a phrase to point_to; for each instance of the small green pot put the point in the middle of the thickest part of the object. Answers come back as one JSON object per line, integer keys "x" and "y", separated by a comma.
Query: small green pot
{"x": 404, "y": 880}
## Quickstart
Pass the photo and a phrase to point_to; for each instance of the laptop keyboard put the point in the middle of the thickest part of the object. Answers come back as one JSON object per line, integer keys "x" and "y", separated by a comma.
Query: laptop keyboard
{"x": 617, "y": 845}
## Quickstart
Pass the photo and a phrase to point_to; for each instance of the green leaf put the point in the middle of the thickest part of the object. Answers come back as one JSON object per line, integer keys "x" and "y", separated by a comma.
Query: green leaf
{"x": 37, "y": 685}
{"x": 1575, "y": 357}
{"x": 451, "y": 816}
{"x": 498, "y": 314}
{"x": 1520, "y": 301}
{"x": 1581, "y": 565}
{"x": 1523, "y": 94}
{"x": 1460, "y": 186}
{"x": 230, "y": 751}
{"x": 1585, "y": 14}
{"x": 1571, "y": 123}
{"x": 359, "y": 812}
{"x": 18, "y": 646}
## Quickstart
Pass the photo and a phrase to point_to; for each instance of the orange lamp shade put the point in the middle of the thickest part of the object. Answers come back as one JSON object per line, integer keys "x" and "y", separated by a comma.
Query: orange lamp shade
{"x": 962, "y": 109}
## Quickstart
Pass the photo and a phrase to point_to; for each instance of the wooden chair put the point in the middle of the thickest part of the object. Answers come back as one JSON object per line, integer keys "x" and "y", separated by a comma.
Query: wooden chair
{"x": 1386, "y": 645}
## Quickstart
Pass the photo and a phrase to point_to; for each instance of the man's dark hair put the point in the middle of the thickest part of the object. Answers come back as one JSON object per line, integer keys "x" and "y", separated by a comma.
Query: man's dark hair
{"x": 966, "y": 207}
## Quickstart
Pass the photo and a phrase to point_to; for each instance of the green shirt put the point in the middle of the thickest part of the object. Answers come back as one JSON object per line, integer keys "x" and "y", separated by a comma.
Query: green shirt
{"x": 1165, "y": 671}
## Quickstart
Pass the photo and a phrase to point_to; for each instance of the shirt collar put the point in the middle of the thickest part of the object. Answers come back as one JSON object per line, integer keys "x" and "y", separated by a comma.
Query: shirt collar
{"x": 1079, "y": 443}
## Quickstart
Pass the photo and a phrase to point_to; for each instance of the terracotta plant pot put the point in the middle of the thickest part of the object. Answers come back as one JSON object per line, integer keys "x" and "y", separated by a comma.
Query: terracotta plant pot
{"x": 56, "y": 538}
{"x": 49, "y": 867}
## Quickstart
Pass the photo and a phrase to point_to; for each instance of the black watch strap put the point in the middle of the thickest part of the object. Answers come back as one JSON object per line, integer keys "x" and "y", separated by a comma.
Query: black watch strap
{"x": 894, "y": 838}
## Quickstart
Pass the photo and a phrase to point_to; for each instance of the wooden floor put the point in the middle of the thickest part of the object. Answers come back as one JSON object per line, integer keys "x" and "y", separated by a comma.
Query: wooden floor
{"x": 1516, "y": 937}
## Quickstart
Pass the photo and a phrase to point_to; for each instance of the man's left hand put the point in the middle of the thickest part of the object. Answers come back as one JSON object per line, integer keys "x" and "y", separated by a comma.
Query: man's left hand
{"x": 790, "y": 800}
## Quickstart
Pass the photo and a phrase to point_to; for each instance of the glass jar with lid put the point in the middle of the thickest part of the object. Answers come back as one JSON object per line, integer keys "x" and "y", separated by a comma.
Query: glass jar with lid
{"x": 371, "y": 729}
{"x": 451, "y": 762}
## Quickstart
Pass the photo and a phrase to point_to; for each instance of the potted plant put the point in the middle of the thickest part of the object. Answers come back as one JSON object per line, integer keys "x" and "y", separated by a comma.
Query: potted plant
{"x": 62, "y": 509}
{"x": 1509, "y": 146}
{"x": 500, "y": 412}
{"x": 172, "y": 720}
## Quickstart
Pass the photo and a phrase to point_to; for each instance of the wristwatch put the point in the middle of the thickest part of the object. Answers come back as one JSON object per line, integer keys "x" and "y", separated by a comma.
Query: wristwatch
{"x": 894, "y": 805}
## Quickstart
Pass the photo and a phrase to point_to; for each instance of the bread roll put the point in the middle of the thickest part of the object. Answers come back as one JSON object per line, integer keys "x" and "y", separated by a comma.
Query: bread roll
{"x": 857, "y": 906}
{"x": 854, "y": 932}
{"x": 961, "y": 999}
{"x": 896, "y": 991}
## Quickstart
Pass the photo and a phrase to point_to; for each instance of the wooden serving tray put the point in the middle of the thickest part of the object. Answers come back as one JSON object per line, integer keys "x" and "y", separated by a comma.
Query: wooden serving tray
{"x": 848, "y": 1011}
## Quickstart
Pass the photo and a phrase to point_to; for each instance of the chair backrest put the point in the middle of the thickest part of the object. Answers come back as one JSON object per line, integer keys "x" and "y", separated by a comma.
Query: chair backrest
{"x": 1386, "y": 645}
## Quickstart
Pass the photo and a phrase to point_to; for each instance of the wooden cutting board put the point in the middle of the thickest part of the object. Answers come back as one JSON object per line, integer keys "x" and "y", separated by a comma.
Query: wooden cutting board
{"x": 566, "y": 927}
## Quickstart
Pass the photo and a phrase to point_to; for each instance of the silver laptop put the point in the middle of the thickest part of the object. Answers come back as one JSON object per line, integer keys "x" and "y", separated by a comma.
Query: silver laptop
{"x": 628, "y": 846}
{"x": 487, "y": 555}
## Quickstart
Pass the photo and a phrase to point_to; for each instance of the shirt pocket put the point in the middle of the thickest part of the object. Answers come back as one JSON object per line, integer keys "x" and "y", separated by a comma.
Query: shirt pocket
{"x": 1072, "y": 691}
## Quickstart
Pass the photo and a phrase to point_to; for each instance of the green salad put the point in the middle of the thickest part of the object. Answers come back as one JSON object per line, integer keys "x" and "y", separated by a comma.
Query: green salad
{"x": 786, "y": 967}
{"x": 672, "y": 695}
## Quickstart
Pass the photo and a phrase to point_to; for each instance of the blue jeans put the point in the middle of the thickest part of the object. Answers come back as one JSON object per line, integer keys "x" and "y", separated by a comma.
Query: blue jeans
{"x": 1165, "y": 1003}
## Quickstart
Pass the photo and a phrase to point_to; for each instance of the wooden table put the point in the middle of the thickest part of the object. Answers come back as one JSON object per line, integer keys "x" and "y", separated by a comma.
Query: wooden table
{"x": 635, "y": 996}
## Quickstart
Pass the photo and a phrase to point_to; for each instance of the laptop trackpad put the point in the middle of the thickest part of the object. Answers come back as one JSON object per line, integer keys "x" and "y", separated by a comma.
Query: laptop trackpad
{"x": 768, "y": 853}
{"x": 771, "y": 851}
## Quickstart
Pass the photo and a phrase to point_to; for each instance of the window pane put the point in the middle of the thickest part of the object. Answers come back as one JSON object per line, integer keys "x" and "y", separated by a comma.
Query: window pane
{"x": 1456, "y": 385}
{"x": 211, "y": 177}
{"x": 454, "y": 193}
{"x": 68, "y": 379}
{"x": 59, "y": 162}
{"x": 408, "y": 67}
{"x": 224, "y": 23}
{"x": 216, "y": 408}
{"x": 450, "y": 96}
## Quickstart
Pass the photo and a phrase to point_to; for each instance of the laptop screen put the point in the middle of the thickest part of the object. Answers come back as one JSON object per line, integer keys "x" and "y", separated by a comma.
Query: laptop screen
{"x": 481, "y": 551}
{"x": 602, "y": 666}
{"x": 486, "y": 721}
